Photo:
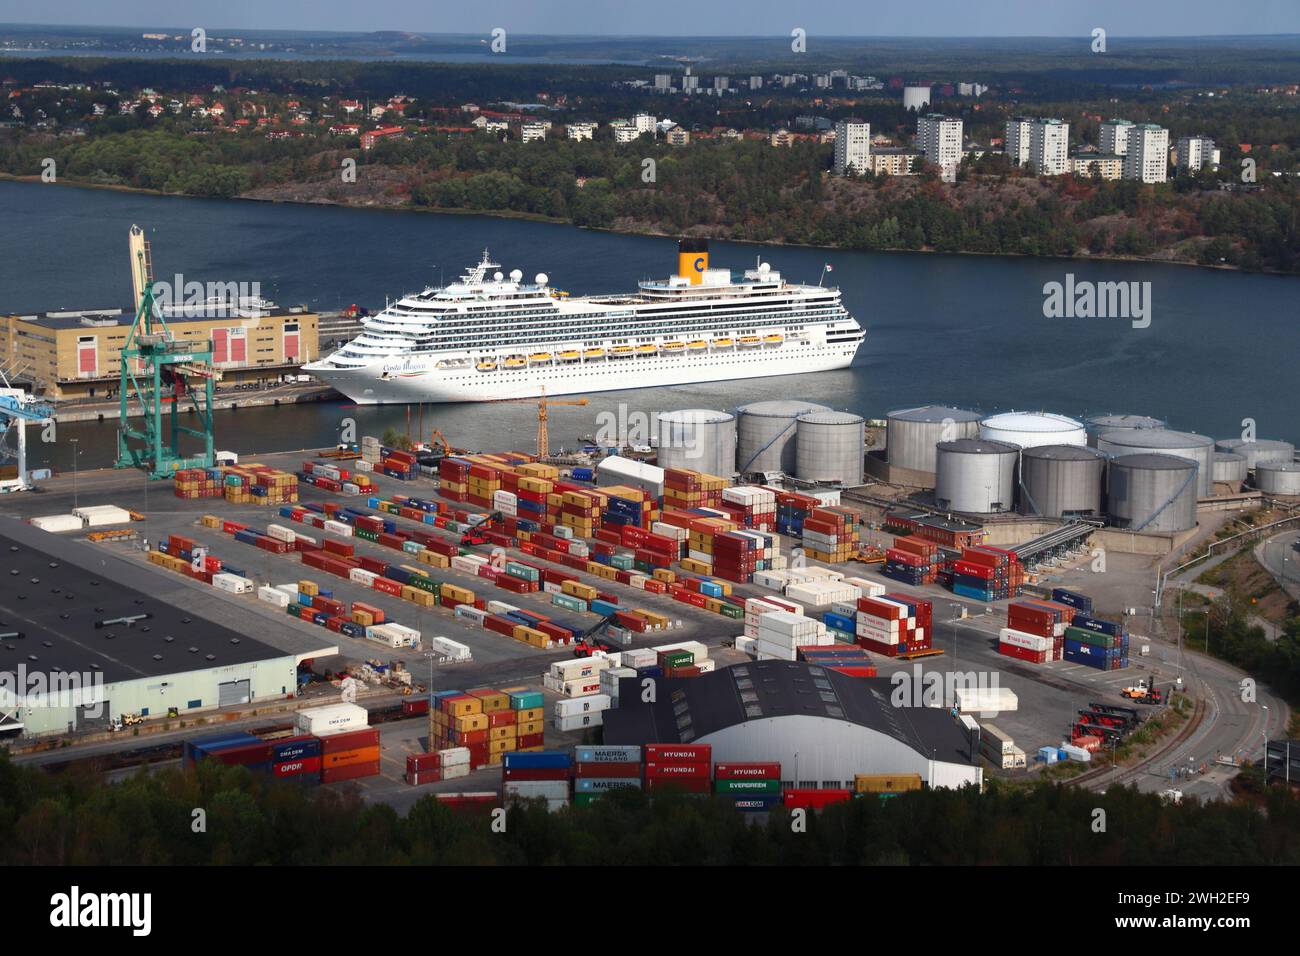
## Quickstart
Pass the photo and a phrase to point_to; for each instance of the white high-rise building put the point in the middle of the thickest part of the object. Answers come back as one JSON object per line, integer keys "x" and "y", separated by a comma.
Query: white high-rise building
{"x": 852, "y": 147}
{"x": 1195, "y": 152}
{"x": 1016, "y": 146}
{"x": 1049, "y": 147}
{"x": 755, "y": 82}
{"x": 721, "y": 83}
{"x": 1114, "y": 136}
{"x": 916, "y": 97}
{"x": 939, "y": 137}
{"x": 532, "y": 132}
{"x": 580, "y": 130}
{"x": 1147, "y": 158}
{"x": 663, "y": 81}
{"x": 644, "y": 123}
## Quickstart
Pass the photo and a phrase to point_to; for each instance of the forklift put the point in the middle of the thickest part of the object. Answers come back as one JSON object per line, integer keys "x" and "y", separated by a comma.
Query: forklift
{"x": 589, "y": 641}
{"x": 474, "y": 535}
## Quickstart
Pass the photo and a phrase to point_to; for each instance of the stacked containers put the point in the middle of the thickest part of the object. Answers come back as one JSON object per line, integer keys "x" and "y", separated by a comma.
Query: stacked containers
{"x": 484, "y": 482}
{"x": 894, "y": 624}
{"x": 830, "y": 535}
{"x": 738, "y": 554}
{"x": 781, "y": 634}
{"x": 987, "y": 574}
{"x": 1096, "y": 643}
{"x": 453, "y": 479}
{"x": 1035, "y": 632}
{"x": 457, "y": 720}
{"x": 684, "y": 488}
{"x": 751, "y": 507}
{"x": 1080, "y": 602}
{"x": 912, "y": 560}
{"x": 598, "y": 770}
{"x": 753, "y": 787}
{"x": 349, "y": 755}
{"x": 296, "y": 758}
{"x": 792, "y": 509}
{"x": 678, "y": 767}
{"x": 541, "y": 774}
{"x": 434, "y": 766}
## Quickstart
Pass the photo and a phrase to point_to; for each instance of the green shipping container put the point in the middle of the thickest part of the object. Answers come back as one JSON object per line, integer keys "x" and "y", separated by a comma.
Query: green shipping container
{"x": 426, "y": 584}
{"x": 517, "y": 570}
{"x": 365, "y": 535}
{"x": 622, "y": 561}
{"x": 569, "y": 603}
{"x": 1090, "y": 637}
{"x": 678, "y": 659}
{"x": 746, "y": 786}
{"x": 732, "y": 611}
{"x": 526, "y": 699}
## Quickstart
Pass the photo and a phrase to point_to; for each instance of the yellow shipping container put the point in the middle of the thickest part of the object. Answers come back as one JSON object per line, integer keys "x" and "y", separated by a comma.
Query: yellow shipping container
{"x": 696, "y": 567}
{"x": 433, "y": 558}
{"x": 470, "y": 722}
{"x": 579, "y": 590}
{"x": 528, "y": 714}
{"x": 667, "y": 575}
{"x": 504, "y": 745}
{"x": 526, "y": 727}
{"x": 457, "y": 593}
{"x": 364, "y": 618}
{"x": 462, "y": 708}
{"x": 494, "y": 702}
{"x": 886, "y": 783}
{"x": 308, "y": 588}
{"x": 501, "y": 733}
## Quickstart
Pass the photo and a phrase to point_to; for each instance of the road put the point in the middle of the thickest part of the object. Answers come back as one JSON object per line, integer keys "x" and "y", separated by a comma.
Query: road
{"x": 1278, "y": 556}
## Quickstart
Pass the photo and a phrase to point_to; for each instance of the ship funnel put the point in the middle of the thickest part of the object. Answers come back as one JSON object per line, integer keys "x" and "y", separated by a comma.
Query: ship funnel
{"x": 692, "y": 259}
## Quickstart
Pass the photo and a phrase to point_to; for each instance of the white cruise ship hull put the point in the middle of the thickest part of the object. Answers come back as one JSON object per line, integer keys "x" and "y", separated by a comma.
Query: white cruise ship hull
{"x": 416, "y": 380}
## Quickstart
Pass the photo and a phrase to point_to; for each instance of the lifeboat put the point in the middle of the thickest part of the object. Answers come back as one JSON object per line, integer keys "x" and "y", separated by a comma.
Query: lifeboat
{"x": 722, "y": 343}
{"x": 674, "y": 346}
{"x": 540, "y": 357}
{"x": 487, "y": 365}
{"x": 647, "y": 349}
{"x": 749, "y": 341}
{"x": 593, "y": 353}
{"x": 516, "y": 362}
{"x": 568, "y": 355}
{"x": 622, "y": 351}
{"x": 773, "y": 339}
{"x": 697, "y": 344}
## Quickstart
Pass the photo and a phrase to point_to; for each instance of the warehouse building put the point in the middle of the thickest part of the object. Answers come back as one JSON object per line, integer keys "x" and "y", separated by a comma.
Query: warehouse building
{"x": 77, "y": 355}
{"x": 822, "y": 726}
{"x": 79, "y": 647}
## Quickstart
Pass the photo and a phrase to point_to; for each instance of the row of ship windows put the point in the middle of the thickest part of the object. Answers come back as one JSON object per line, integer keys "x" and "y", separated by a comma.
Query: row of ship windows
{"x": 657, "y": 318}
{"x": 553, "y": 336}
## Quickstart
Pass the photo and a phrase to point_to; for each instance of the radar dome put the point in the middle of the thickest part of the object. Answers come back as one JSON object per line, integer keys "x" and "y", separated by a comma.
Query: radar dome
{"x": 542, "y": 278}
{"x": 516, "y": 275}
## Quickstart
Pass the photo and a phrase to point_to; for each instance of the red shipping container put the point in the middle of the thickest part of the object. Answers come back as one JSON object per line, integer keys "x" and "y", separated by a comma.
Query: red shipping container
{"x": 530, "y": 740}
{"x": 661, "y": 770}
{"x": 353, "y": 771}
{"x": 747, "y": 771}
{"x": 387, "y": 586}
{"x": 535, "y": 773}
{"x": 339, "y": 547}
{"x": 679, "y": 784}
{"x": 350, "y": 740}
{"x": 631, "y": 769}
{"x": 294, "y": 768}
{"x": 814, "y": 799}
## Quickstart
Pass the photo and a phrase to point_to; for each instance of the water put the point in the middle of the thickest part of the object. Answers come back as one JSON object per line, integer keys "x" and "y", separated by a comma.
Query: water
{"x": 962, "y": 330}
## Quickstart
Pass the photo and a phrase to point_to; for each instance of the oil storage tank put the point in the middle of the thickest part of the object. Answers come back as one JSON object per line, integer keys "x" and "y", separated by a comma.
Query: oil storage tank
{"x": 1152, "y": 492}
{"x": 1278, "y": 477}
{"x": 1229, "y": 469}
{"x": 1031, "y": 429}
{"x": 766, "y": 433}
{"x": 1100, "y": 424}
{"x": 1197, "y": 448}
{"x": 912, "y": 433}
{"x": 829, "y": 446}
{"x": 1262, "y": 449}
{"x": 975, "y": 475}
{"x": 1059, "y": 481}
{"x": 699, "y": 439}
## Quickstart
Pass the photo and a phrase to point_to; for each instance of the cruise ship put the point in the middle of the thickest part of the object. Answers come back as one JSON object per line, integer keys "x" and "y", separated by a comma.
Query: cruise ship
{"x": 490, "y": 337}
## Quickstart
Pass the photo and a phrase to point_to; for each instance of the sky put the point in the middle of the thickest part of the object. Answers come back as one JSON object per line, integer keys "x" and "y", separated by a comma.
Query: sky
{"x": 949, "y": 18}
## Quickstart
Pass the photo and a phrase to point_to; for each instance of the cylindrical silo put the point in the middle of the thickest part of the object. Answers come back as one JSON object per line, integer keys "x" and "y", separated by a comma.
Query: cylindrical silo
{"x": 1229, "y": 469}
{"x": 699, "y": 439}
{"x": 1100, "y": 424}
{"x": 1278, "y": 477}
{"x": 1031, "y": 429}
{"x": 975, "y": 476}
{"x": 1058, "y": 481}
{"x": 829, "y": 446}
{"x": 1263, "y": 449}
{"x": 1151, "y": 492}
{"x": 765, "y": 434}
{"x": 1197, "y": 448}
{"x": 913, "y": 432}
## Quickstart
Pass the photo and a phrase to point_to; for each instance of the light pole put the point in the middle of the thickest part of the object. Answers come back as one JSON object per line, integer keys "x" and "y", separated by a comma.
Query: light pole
{"x": 953, "y": 625}
{"x": 1263, "y": 733}
{"x": 75, "y": 452}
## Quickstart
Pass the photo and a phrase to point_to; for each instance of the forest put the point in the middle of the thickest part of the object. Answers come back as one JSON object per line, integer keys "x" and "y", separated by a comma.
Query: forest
{"x": 74, "y": 819}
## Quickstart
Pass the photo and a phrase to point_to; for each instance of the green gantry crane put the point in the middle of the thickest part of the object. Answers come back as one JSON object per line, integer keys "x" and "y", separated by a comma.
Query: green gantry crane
{"x": 156, "y": 373}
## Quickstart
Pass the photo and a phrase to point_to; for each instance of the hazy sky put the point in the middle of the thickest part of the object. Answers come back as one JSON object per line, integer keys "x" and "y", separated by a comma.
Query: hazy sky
{"x": 686, "y": 17}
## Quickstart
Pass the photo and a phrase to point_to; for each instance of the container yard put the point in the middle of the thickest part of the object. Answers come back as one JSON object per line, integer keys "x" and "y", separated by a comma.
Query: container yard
{"x": 499, "y": 613}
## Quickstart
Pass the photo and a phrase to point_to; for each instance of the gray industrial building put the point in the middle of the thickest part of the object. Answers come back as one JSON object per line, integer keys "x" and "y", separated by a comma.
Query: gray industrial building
{"x": 83, "y": 642}
{"x": 822, "y": 726}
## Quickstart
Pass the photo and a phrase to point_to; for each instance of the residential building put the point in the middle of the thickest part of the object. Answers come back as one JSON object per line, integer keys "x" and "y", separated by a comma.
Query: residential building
{"x": 852, "y": 147}
{"x": 533, "y": 131}
{"x": 644, "y": 123}
{"x": 1114, "y": 136}
{"x": 1105, "y": 165}
{"x": 1147, "y": 158}
{"x": 1017, "y": 140}
{"x": 1196, "y": 152}
{"x": 755, "y": 82}
{"x": 782, "y": 137}
{"x": 1049, "y": 147}
{"x": 624, "y": 132}
{"x": 580, "y": 130}
{"x": 894, "y": 160}
{"x": 663, "y": 81}
{"x": 678, "y": 136}
{"x": 939, "y": 138}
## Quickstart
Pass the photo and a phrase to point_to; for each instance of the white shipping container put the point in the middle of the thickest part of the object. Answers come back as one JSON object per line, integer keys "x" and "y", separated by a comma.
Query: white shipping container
{"x": 995, "y": 740}
{"x": 231, "y": 583}
{"x": 446, "y": 647}
{"x": 700, "y": 651}
{"x": 591, "y": 703}
{"x": 57, "y": 524}
{"x": 338, "y": 527}
{"x": 453, "y": 757}
{"x": 280, "y": 533}
{"x": 456, "y": 770}
{"x": 1030, "y": 642}
{"x": 746, "y": 643}
{"x": 580, "y": 687}
{"x": 867, "y": 588}
{"x": 639, "y": 657}
{"x": 273, "y": 596}
{"x": 986, "y": 700}
{"x": 332, "y": 719}
{"x": 289, "y": 589}
{"x": 470, "y": 613}
{"x": 362, "y": 576}
{"x": 500, "y": 607}
{"x": 532, "y": 789}
{"x": 578, "y": 668}
{"x": 579, "y": 721}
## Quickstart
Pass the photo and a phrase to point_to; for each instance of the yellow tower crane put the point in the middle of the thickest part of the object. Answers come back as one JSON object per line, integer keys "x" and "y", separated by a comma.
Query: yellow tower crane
{"x": 543, "y": 435}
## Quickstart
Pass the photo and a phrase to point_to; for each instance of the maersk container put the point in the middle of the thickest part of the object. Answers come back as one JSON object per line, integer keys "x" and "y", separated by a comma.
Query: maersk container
{"x": 605, "y": 784}
{"x": 607, "y": 753}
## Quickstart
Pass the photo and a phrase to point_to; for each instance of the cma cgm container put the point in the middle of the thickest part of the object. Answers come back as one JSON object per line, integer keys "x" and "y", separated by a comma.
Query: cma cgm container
{"x": 332, "y": 719}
